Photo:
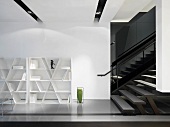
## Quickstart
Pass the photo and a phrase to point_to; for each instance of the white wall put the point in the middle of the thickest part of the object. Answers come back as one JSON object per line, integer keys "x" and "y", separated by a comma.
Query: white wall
{"x": 88, "y": 45}
{"x": 162, "y": 45}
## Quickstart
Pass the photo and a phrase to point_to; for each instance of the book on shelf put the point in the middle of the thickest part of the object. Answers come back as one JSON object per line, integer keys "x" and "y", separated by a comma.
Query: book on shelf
{"x": 34, "y": 64}
{"x": 17, "y": 67}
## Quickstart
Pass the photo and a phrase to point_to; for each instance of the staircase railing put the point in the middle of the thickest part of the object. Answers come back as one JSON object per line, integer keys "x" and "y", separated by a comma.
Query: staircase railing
{"x": 138, "y": 54}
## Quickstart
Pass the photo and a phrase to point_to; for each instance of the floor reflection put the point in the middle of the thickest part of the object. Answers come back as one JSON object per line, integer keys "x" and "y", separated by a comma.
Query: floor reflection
{"x": 88, "y": 107}
{"x": 80, "y": 108}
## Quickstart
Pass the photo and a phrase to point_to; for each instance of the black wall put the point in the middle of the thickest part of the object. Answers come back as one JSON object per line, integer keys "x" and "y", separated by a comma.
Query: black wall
{"x": 127, "y": 34}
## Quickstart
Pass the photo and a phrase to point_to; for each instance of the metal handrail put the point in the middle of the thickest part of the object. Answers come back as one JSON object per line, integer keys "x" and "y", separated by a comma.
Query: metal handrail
{"x": 137, "y": 43}
{"x": 136, "y": 48}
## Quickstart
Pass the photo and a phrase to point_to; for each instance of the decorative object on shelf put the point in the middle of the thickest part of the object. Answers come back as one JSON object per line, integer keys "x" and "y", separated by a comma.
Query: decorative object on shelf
{"x": 34, "y": 64}
{"x": 80, "y": 92}
{"x": 52, "y": 64}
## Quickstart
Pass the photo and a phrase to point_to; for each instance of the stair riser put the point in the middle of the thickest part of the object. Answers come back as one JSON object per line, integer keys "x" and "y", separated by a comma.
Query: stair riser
{"x": 135, "y": 65}
{"x": 152, "y": 80}
{"x": 130, "y": 69}
{"x": 146, "y": 58}
{"x": 124, "y": 73}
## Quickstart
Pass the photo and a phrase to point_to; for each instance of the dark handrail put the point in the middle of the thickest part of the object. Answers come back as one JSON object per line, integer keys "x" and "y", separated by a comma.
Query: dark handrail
{"x": 107, "y": 72}
{"x": 137, "y": 44}
{"x": 138, "y": 47}
{"x": 144, "y": 42}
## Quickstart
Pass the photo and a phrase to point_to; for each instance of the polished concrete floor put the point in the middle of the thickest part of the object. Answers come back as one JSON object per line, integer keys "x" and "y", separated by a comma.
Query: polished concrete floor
{"x": 89, "y": 111}
{"x": 89, "y": 107}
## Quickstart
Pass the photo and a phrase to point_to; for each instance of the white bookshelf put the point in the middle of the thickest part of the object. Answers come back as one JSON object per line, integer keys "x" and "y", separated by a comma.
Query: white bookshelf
{"x": 13, "y": 78}
{"x": 47, "y": 85}
{"x": 33, "y": 79}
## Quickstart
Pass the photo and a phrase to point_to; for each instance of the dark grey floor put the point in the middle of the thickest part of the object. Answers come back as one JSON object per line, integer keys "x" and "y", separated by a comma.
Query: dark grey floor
{"x": 89, "y": 111}
{"x": 85, "y": 118}
{"x": 89, "y": 107}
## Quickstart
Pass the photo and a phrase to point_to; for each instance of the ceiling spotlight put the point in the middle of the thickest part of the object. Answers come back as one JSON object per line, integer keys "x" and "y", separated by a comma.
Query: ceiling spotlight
{"x": 29, "y": 12}
{"x": 99, "y": 9}
{"x": 98, "y": 13}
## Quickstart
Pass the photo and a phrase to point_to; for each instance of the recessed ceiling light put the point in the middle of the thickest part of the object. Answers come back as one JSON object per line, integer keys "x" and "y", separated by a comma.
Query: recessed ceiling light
{"x": 29, "y": 12}
{"x": 98, "y": 13}
{"x": 99, "y": 9}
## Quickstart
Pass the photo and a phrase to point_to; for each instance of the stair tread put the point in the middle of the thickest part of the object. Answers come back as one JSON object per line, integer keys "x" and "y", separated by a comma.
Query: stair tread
{"x": 115, "y": 76}
{"x": 152, "y": 70}
{"x": 136, "y": 65}
{"x": 146, "y": 83}
{"x": 131, "y": 68}
{"x": 132, "y": 97}
{"x": 126, "y": 71}
{"x": 140, "y": 91}
{"x": 149, "y": 76}
{"x": 122, "y": 103}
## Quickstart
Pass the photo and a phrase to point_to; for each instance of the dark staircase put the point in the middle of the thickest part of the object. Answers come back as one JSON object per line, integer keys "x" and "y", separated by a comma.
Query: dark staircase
{"x": 136, "y": 92}
{"x": 133, "y": 81}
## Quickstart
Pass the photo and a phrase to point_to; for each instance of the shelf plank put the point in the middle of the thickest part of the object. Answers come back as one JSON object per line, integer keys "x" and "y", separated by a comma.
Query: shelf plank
{"x": 19, "y": 91}
{"x": 39, "y": 80}
{"x": 37, "y": 91}
{"x": 18, "y": 69}
{"x": 8, "y": 80}
{"x": 63, "y": 91}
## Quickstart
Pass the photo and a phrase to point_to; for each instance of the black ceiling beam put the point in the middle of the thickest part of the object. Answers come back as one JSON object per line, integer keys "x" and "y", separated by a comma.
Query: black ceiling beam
{"x": 99, "y": 10}
{"x": 28, "y": 10}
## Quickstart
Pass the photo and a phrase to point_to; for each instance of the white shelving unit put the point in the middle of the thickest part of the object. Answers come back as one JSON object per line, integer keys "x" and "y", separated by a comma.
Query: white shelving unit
{"x": 13, "y": 78}
{"x": 50, "y": 85}
{"x": 32, "y": 80}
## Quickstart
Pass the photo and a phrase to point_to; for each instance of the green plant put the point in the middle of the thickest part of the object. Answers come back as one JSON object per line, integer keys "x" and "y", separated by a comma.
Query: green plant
{"x": 79, "y": 95}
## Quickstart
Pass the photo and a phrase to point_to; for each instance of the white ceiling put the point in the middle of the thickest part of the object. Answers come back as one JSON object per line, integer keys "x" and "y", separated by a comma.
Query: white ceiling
{"x": 72, "y": 10}
{"x": 64, "y": 10}
{"x": 11, "y": 12}
{"x": 111, "y": 9}
{"x": 130, "y": 8}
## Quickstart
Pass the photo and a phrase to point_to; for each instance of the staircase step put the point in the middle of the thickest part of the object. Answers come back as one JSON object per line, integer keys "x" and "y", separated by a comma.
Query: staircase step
{"x": 115, "y": 77}
{"x": 152, "y": 52}
{"x": 136, "y": 65}
{"x": 153, "y": 70}
{"x": 146, "y": 83}
{"x": 149, "y": 55}
{"x": 125, "y": 72}
{"x": 149, "y": 76}
{"x": 131, "y": 97}
{"x": 122, "y": 75}
{"x": 140, "y": 91}
{"x": 145, "y": 58}
{"x": 130, "y": 69}
{"x": 123, "y": 105}
{"x": 139, "y": 62}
